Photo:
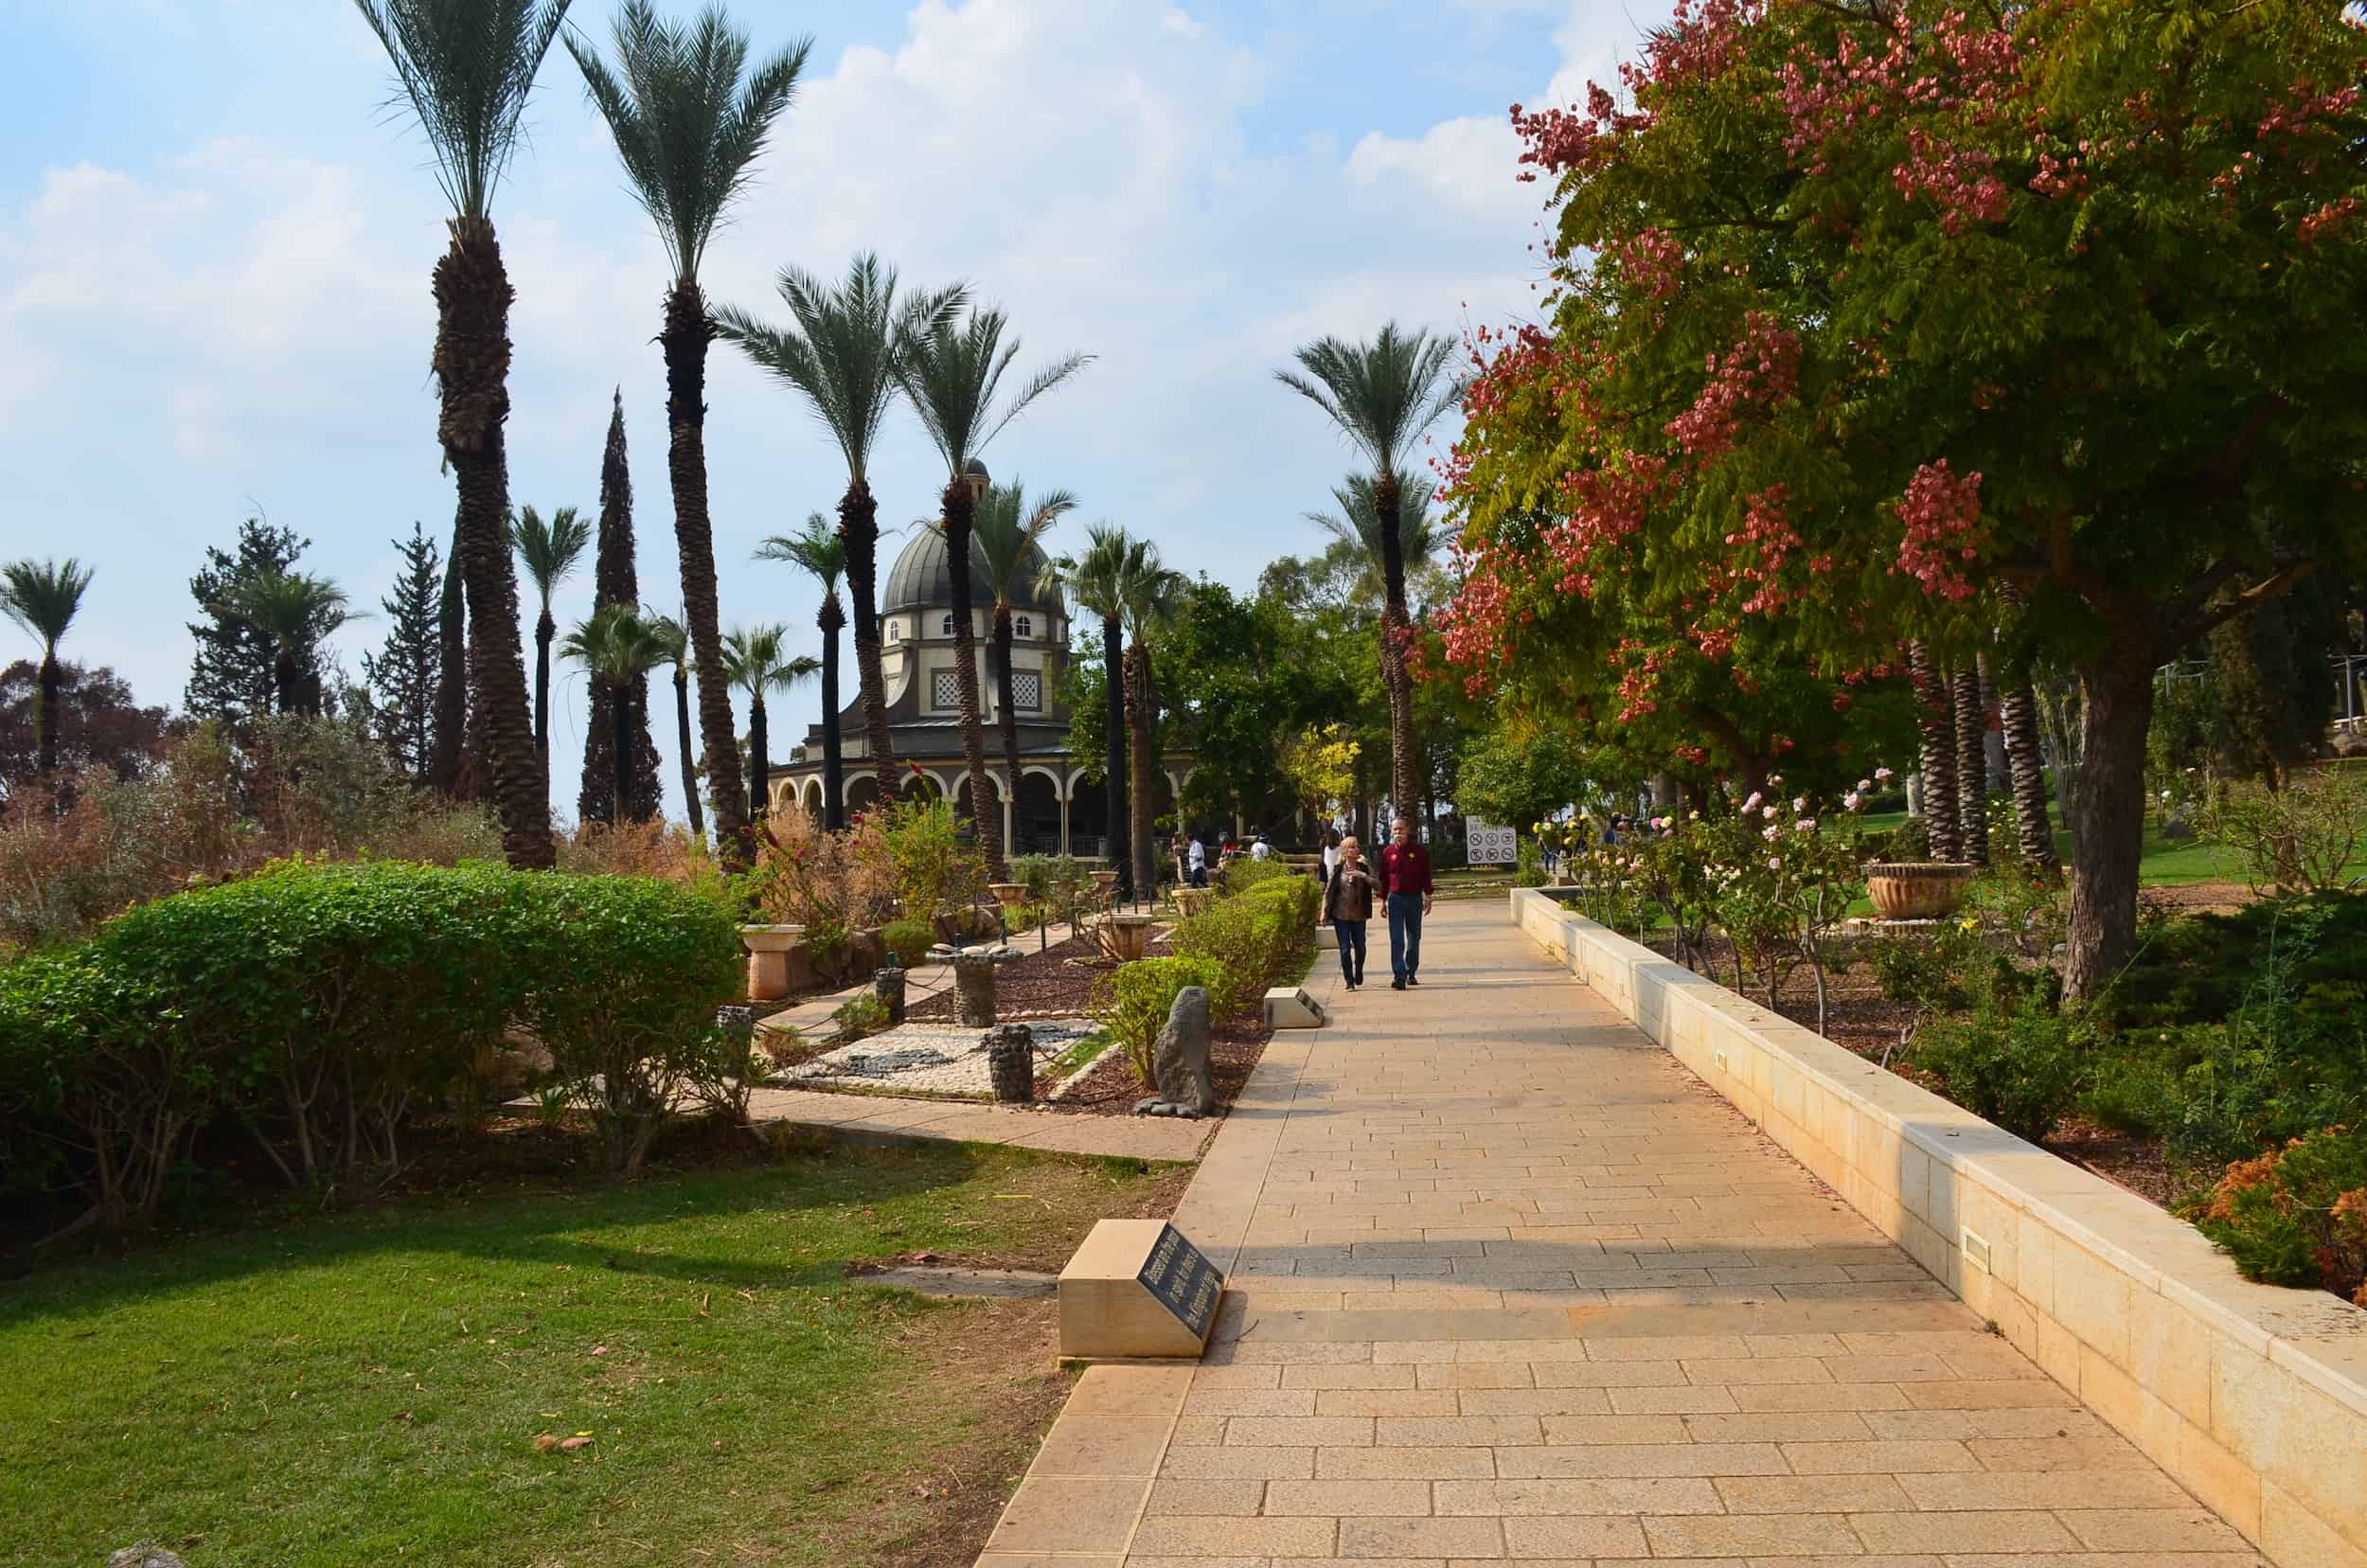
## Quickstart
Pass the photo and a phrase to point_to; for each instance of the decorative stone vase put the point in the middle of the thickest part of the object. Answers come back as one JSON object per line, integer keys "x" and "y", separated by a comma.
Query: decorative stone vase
{"x": 1009, "y": 894}
{"x": 1191, "y": 900}
{"x": 1124, "y": 937}
{"x": 1011, "y": 1059}
{"x": 973, "y": 978}
{"x": 1104, "y": 881}
{"x": 767, "y": 959}
{"x": 1916, "y": 890}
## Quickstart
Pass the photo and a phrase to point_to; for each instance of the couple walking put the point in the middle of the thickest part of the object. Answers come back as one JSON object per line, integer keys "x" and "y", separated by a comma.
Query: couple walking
{"x": 1402, "y": 882}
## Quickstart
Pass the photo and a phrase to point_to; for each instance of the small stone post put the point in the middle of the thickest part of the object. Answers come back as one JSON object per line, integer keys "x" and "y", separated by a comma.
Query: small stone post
{"x": 888, "y": 985}
{"x": 1012, "y": 1056}
{"x": 973, "y": 977}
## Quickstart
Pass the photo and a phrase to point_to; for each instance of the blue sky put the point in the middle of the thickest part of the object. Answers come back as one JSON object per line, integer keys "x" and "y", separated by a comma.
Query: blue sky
{"x": 214, "y": 241}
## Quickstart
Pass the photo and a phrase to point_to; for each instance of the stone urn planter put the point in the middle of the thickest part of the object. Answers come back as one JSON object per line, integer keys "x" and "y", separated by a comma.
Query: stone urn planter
{"x": 1191, "y": 900}
{"x": 1916, "y": 890}
{"x": 1124, "y": 937}
{"x": 767, "y": 959}
{"x": 1104, "y": 883}
{"x": 1009, "y": 894}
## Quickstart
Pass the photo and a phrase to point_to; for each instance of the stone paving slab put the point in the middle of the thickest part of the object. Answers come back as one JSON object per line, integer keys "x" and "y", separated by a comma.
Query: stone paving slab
{"x": 1508, "y": 1283}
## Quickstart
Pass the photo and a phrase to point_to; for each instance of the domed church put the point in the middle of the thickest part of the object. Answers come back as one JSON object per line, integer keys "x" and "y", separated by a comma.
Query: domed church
{"x": 1057, "y": 811}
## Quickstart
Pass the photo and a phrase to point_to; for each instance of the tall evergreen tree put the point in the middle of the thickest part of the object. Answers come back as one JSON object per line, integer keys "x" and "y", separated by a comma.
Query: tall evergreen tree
{"x": 452, "y": 678}
{"x": 615, "y": 580}
{"x": 405, "y": 676}
{"x": 232, "y": 675}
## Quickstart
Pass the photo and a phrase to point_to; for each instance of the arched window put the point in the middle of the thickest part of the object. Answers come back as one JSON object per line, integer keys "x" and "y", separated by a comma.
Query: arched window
{"x": 946, "y": 630}
{"x": 1022, "y": 626}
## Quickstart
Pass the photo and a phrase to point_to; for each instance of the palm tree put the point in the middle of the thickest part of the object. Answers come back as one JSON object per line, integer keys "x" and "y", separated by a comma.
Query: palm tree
{"x": 295, "y": 609}
{"x": 688, "y": 129}
{"x": 1384, "y": 395}
{"x": 841, "y": 354}
{"x": 1096, "y": 581}
{"x": 1153, "y": 595}
{"x": 617, "y": 647}
{"x": 756, "y": 662}
{"x": 953, "y": 378}
{"x": 1009, "y": 535}
{"x": 817, "y": 550}
{"x": 466, "y": 67}
{"x": 550, "y": 550}
{"x": 43, "y": 598}
{"x": 674, "y": 643}
{"x": 1357, "y": 524}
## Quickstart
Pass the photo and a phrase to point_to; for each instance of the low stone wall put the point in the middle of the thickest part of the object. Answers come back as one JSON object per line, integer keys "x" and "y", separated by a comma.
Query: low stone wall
{"x": 2252, "y": 1396}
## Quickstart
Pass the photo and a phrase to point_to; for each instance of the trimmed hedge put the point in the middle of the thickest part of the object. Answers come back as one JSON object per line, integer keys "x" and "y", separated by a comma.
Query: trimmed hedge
{"x": 1250, "y": 935}
{"x": 320, "y": 1007}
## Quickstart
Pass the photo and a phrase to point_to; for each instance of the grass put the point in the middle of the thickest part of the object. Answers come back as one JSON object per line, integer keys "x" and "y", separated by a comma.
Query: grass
{"x": 2165, "y": 863}
{"x": 354, "y": 1389}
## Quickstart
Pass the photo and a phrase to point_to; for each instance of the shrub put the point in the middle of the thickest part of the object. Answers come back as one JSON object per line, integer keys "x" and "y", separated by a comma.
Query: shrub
{"x": 2297, "y": 1216}
{"x": 2301, "y": 837}
{"x": 861, "y": 1014}
{"x": 1135, "y": 1000}
{"x": 1934, "y": 972}
{"x": 1249, "y": 937}
{"x": 627, "y": 975}
{"x": 2015, "y": 1060}
{"x": 1245, "y": 874}
{"x": 827, "y": 883}
{"x": 910, "y": 940}
{"x": 1528, "y": 864}
{"x": 1047, "y": 877}
{"x": 934, "y": 870}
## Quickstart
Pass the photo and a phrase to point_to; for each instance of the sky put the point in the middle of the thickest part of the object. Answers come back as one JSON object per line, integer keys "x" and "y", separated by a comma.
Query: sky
{"x": 217, "y": 229}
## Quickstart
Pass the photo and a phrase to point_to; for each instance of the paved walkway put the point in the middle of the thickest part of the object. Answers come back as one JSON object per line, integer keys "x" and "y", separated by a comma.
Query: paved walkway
{"x": 1514, "y": 1284}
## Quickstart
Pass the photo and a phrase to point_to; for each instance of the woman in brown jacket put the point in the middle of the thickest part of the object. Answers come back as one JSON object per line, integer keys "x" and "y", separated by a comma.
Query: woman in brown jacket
{"x": 1348, "y": 904}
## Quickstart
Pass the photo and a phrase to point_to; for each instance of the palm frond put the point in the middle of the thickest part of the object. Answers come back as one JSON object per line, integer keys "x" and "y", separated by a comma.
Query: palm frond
{"x": 467, "y": 68}
{"x": 1357, "y": 524}
{"x": 550, "y": 549}
{"x": 617, "y": 644}
{"x": 44, "y": 597}
{"x": 687, "y": 128}
{"x": 815, "y": 549}
{"x": 954, "y": 378}
{"x": 289, "y": 608}
{"x": 1096, "y": 580}
{"x": 672, "y": 636}
{"x": 1009, "y": 534}
{"x": 1384, "y": 394}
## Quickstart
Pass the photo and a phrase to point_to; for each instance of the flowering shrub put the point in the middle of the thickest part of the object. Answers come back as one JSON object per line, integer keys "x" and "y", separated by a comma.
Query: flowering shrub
{"x": 827, "y": 883}
{"x": 2297, "y": 1216}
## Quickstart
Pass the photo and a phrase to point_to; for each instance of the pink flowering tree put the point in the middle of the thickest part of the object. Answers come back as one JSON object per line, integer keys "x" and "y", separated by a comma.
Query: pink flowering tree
{"x": 1880, "y": 321}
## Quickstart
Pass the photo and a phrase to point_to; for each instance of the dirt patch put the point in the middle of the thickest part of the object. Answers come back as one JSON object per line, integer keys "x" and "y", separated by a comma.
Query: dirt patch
{"x": 2212, "y": 897}
{"x": 1060, "y": 981}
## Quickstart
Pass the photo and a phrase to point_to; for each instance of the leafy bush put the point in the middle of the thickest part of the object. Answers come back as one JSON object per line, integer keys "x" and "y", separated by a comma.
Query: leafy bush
{"x": 1245, "y": 874}
{"x": 860, "y": 1015}
{"x": 1936, "y": 973}
{"x": 1135, "y": 1000}
{"x": 910, "y": 940}
{"x": 1528, "y": 864}
{"x": 2015, "y": 1060}
{"x": 830, "y": 883}
{"x": 2301, "y": 837}
{"x": 1048, "y": 877}
{"x": 933, "y": 869}
{"x": 1250, "y": 935}
{"x": 2297, "y": 1216}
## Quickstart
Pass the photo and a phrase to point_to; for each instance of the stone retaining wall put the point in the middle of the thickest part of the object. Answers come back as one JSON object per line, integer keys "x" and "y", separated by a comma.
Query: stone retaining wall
{"x": 2252, "y": 1396}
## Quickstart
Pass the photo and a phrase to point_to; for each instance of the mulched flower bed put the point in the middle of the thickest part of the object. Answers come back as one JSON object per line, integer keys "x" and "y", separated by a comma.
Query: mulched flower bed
{"x": 1054, "y": 982}
{"x": 1110, "y": 1088}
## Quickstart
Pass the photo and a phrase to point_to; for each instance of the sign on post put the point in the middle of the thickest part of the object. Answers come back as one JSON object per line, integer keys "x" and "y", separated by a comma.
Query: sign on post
{"x": 1485, "y": 845}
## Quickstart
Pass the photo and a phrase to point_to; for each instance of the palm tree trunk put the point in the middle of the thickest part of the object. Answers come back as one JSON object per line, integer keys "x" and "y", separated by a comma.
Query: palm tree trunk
{"x": 620, "y": 711}
{"x": 684, "y": 341}
{"x": 1009, "y": 716}
{"x": 1403, "y": 785}
{"x": 833, "y": 767}
{"x": 286, "y": 681}
{"x": 52, "y": 680}
{"x": 1141, "y": 696}
{"x": 1113, "y": 742}
{"x": 760, "y": 770}
{"x": 544, "y": 630}
{"x": 682, "y": 749}
{"x": 452, "y": 679}
{"x": 471, "y": 364}
{"x": 1972, "y": 765}
{"x": 1936, "y": 729}
{"x": 2017, "y": 708}
{"x": 859, "y": 530}
{"x": 984, "y": 807}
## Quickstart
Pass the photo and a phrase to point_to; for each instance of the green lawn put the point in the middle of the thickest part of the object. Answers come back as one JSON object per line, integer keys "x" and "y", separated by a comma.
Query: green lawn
{"x": 2167, "y": 863}
{"x": 354, "y": 1389}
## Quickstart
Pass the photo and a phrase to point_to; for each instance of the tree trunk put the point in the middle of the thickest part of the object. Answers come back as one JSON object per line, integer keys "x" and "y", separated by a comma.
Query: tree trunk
{"x": 451, "y": 680}
{"x": 689, "y": 757}
{"x": 1143, "y": 698}
{"x": 684, "y": 341}
{"x": 1936, "y": 728}
{"x": 2018, "y": 709}
{"x": 287, "y": 682}
{"x": 620, "y": 735}
{"x": 471, "y": 366}
{"x": 1008, "y": 718}
{"x": 759, "y": 767}
{"x": 52, "y": 679}
{"x": 1114, "y": 744}
{"x": 833, "y": 768}
{"x": 1404, "y": 786}
{"x": 642, "y": 805}
{"x": 984, "y": 806}
{"x": 544, "y": 630}
{"x": 2109, "y": 812}
{"x": 1972, "y": 765}
{"x": 859, "y": 530}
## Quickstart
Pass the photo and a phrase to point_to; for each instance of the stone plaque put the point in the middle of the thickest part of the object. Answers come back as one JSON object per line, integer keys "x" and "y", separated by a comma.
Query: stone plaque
{"x": 1138, "y": 1288}
{"x": 1179, "y": 1277}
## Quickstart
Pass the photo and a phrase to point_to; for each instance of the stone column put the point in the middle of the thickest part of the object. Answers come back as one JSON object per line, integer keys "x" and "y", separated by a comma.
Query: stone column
{"x": 973, "y": 977}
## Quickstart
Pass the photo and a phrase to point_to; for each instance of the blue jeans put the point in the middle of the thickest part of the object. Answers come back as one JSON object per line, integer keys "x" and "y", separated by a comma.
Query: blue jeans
{"x": 1405, "y": 934}
{"x": 1351, "y": 936}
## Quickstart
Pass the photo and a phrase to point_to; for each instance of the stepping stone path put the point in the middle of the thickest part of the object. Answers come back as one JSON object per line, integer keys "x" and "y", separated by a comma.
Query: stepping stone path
{"x": 1508, "y": 1283}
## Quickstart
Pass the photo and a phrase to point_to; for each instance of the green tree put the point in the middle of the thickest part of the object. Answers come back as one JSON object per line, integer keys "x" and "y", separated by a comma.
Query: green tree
{"x": 756, "y": 661}
{"x": 952, "y": 376}
{"x": 402, "y": 675}
{"x": 689, "y": 120}
{"x": 615, "y": 580}
{"x": 293, "y": 610}
{"x": 466, "y": 68}
{"x": 43, "y": 597}
{"x": 1356, "y": 527}
{"x": 1094, "y": 580}
{"x": 673, "y": 641}
{"x": 1152, "y": 596}
{"x": 1517, "y": 778}
{"x": 550, "y": 550}
{"x": 1009, "y": 534}
{"x": 618, "y": 645}
{"x": 819, "y": 552}
{"x": 230, "y": 674}
{"x": 1384, "y": 395}
{"x": 842, "y": 354}
{"x": 453, "y": 730}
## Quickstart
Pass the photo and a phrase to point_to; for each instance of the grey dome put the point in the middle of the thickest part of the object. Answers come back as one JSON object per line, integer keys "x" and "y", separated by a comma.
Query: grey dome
{"x": 922, "y": 580}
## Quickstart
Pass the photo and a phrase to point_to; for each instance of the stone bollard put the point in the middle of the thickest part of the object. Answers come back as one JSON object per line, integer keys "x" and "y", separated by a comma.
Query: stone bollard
{"x": 888, "y": 985}
{"x": 973, "y": 977}
{"x": 1012, "y": 1056}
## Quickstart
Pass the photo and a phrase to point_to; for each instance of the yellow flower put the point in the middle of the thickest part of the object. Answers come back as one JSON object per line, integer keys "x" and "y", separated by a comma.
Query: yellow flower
{"x": 1970, "y": 922}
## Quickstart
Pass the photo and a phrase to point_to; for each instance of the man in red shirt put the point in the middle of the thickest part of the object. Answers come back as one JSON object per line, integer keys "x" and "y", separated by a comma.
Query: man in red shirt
{"x": 1405, "y": 881}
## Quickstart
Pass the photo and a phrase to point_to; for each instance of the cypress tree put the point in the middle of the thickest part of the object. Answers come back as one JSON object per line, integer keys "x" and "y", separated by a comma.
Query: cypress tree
{"x": 405, "y": 676}
{"x": 614, "y": 580}
{"x": 452, "y": 679}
